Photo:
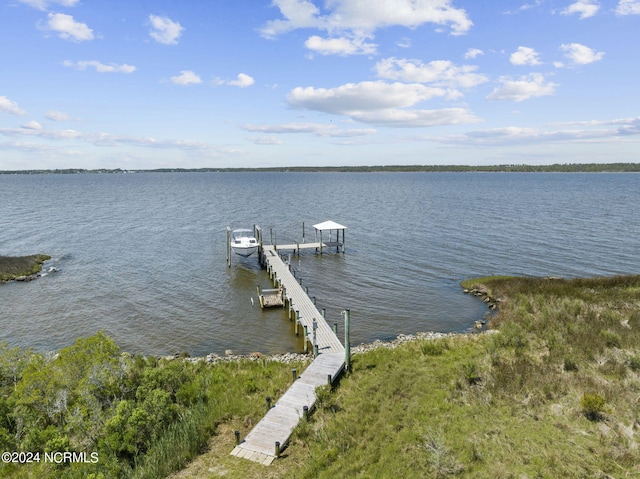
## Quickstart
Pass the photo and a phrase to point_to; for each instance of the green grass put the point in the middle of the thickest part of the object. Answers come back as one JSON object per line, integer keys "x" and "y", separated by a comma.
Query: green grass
{"x": 12, "y": 267}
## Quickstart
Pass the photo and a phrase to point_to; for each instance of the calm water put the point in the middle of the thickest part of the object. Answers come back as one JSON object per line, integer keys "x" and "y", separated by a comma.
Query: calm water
{"x": 142, "y": 256}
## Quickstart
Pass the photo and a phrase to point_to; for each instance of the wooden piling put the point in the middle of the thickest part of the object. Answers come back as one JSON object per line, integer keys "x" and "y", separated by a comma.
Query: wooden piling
{"x": 347, "y": 346}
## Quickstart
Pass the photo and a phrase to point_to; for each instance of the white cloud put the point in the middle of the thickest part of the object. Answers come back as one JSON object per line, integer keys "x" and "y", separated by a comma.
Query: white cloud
{"x": 404, "y": 42}
{"x": 366, "y": 17}
{"x": 66, "y": 27}
{"x": 318, "y": 129}
{"x": 104, "y": 139}
{"x": 44, "y": 4}
{"x": 473, "y": 53}
{"x": 397, "y": 118}
{"x": 580, "y": 54}
{"x": 266, "y": 140}
{"x": 628, "y": 7}
{"x": 164, "y": 30}
{"x": 361, "y": 96}
{"x": 242, "y": 81}
{"x": 100, "y": 67}
{"x": 438, "y": 72}
{"x": 524, "y": 56}
{"x": 56, "y": 116}
{"x": 525, "y": 87}
{"x": 186, "y": 77}
{"x": 584, "y": 8}
{"x": 379, "y": 103}
{"x": 340, "y": 46}
{"x": 576, "y": 132}
{"x": 32, "y": 125}
{"x": 11, "y": 107}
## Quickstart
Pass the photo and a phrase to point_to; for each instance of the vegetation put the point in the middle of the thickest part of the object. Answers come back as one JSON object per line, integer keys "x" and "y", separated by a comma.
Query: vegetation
{"x": 553, "y": 392}
{"x": 12, "y": 267}
{"x": 555, "y": 168}
{"x": 126, "y": 416}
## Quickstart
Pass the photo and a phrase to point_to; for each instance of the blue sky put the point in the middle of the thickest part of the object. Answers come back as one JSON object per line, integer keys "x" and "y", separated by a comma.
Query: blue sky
{"x": 234, "y": 83}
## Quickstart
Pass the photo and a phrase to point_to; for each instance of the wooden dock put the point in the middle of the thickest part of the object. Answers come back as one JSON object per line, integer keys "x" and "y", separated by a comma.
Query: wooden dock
{"x": 320, "y": 247}
{"x": 270, "y": 436}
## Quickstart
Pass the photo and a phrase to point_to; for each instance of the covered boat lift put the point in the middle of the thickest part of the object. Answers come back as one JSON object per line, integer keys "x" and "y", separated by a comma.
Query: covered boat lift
{"x": 330, "y": 226}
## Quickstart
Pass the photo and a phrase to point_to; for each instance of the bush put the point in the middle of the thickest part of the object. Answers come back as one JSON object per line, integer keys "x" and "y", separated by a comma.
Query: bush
{"x": 570, "y": 364}
{"x": 611, "y": 339}
{"x": 593, "y": 406}
{"x": 634, "y": 363}
{"x": 471, "y": 373}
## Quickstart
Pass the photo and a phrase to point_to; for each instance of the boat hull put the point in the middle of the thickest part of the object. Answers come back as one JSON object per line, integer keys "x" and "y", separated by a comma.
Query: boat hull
{"x": 243, "y": 242}
{"x": 244, "y": 251}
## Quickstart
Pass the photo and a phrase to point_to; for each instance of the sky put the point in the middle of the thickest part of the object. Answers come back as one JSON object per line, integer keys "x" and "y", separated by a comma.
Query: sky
{"x": 259, "y": 83}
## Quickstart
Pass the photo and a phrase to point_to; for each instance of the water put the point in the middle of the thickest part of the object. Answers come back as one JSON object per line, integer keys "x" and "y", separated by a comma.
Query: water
{"x": 142, "y": 256}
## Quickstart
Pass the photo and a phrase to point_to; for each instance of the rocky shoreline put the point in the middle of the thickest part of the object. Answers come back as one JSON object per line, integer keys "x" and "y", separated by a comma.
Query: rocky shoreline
{"x": 289, "y": 358}
{"x": 23, "y": 268}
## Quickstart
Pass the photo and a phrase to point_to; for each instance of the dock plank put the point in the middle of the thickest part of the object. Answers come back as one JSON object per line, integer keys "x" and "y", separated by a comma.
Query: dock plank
{"x": 280, "y": 421}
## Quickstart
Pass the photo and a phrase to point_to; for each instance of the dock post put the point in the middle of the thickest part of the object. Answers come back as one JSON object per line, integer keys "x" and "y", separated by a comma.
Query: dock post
{"x": 260, "y": 298}
{"x": 306, "y": 338}
{"x": 228, "y": 247}
{"x": 315, "y": 339}
{"x": 347, "y": 346}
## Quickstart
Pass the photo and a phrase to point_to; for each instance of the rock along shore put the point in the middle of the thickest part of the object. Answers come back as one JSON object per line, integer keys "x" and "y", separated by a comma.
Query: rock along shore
{"x": 289, "y": 358}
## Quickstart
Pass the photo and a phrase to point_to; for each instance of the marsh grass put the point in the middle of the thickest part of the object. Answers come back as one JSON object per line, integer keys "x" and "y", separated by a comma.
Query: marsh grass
{"x": 12, "y": 267}
{"x": 553, "y": 394}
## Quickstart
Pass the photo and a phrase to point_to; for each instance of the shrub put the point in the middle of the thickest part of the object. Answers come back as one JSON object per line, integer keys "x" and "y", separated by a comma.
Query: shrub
{"x": 634, "y": 363}
{"x": 471, "y": 373}
{"x": 611, "y": 339}
{"x": 593, "y": 406}
{"x": 570, "y": 364}
{"x": 433, "y": 347}
{"x": 441, "y": 460}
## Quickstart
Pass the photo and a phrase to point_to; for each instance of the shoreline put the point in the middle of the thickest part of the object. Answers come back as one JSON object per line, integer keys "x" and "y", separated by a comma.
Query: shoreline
{"x": 23, "y": 268}
{"x": 288, "y": 358}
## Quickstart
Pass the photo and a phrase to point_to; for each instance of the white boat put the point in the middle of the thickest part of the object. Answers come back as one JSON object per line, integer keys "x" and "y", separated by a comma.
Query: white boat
{"x": 243, "y": 242}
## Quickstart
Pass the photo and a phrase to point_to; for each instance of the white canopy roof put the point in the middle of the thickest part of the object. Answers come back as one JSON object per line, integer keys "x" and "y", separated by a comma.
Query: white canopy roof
{"x": 329, "y": 225}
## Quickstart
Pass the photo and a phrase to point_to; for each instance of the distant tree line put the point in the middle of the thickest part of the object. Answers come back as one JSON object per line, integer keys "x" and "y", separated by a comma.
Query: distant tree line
{"x": 523, "y": 168}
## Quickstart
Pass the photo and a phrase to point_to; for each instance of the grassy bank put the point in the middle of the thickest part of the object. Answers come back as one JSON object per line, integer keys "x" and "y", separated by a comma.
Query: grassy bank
{"x": 12, "y": 267}
{"x": 554, "y": 393}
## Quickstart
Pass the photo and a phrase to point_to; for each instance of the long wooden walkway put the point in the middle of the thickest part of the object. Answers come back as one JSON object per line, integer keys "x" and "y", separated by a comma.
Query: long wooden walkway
{"x": 278, "y": 424}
